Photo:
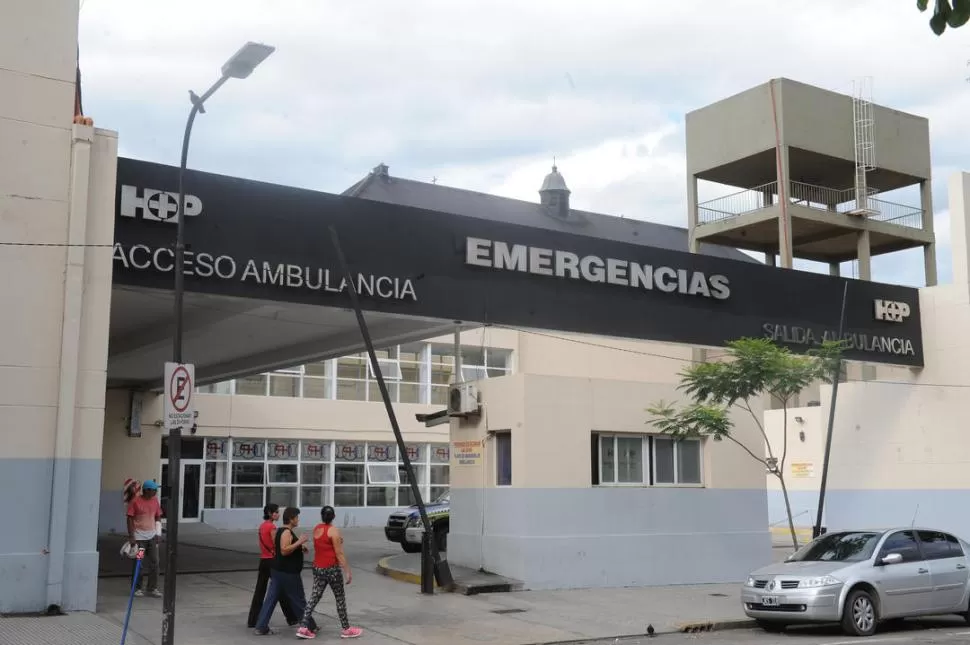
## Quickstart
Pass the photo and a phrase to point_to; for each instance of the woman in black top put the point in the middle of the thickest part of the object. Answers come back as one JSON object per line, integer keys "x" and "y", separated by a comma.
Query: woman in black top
{"x": 266, "y": 535}
{"x": 286, "y": 572}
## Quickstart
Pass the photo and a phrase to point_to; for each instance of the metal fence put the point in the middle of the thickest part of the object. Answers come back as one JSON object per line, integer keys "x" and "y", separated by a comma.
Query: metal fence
{"x": 809, "y": 196}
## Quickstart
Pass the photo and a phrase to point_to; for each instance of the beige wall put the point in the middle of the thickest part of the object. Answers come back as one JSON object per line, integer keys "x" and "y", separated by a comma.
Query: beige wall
{"x": 821, "y": 121}
{"x": 809, "y": 451}
{"x": 730, "y": 129}
{"x": 597, "y": 357}
{"x": 551, "y": 419}
{"x": 124, "y": 456}
{"x": 906, "y": 429}
{"x": 257, "y": 417}
{"x": 57, "y": 186}
{"x": 497, "y": 337}
{"x": 809, "y": 118}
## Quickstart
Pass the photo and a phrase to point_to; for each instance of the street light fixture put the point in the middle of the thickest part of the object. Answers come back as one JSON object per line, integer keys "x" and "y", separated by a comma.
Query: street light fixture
{"x": 240, "y": 65}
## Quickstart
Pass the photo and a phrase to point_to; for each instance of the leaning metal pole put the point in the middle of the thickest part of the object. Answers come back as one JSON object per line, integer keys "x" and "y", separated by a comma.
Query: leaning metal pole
{"x": 836, "y": 377}
{"x": 431, "y": 562}
{"x": 175, "y": 434}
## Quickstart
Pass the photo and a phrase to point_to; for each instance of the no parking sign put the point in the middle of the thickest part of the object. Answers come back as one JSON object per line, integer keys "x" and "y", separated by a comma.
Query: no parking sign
{"x": 179, "y": 403}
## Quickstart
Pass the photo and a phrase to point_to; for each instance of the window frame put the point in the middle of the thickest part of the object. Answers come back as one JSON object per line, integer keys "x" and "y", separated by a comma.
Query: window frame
{"x": 676, "y": 454}
{"x": 498, "y": 461}
{"x": 946, "y": 539}
{"x": 429, "y": 461}
{"x": 884, "y": 550}
{"x": 646, "y": 467}
{"x": 649, "y": 460}
{"x": 424, "y": 355}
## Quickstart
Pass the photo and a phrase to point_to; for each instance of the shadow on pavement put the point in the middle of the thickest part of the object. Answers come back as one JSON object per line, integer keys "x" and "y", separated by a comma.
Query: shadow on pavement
{"x": 192, "y": 558}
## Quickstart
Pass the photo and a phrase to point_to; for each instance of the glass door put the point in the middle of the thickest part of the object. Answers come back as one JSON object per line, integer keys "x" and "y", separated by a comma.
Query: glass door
{"x": 191, "y": 503}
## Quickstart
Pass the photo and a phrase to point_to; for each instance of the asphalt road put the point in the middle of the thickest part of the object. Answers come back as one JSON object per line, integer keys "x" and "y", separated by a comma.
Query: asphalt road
{"x": 944, "y": 631}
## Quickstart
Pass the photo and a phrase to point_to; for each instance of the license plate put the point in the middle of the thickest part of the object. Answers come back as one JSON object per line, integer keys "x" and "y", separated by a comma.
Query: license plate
{"x": 769, "y": 601}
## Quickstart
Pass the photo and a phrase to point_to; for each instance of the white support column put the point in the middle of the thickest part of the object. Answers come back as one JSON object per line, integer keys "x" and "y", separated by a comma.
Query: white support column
{"x": 424, "y": 373}
{"x": 863, "y": 253}
{"x": 67, "y": 398}
{"x": 331, "y": 373}
{"x": 458, "y": 375}
{"x": 785, "y": 253}
{"x": 929, "y": 250}
{"x": 959, "y": 190}
{"x": 693, "y": 215}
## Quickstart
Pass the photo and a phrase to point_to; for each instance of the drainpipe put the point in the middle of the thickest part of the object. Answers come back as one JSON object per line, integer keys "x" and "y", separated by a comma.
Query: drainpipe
{"x": 81, "y": 138}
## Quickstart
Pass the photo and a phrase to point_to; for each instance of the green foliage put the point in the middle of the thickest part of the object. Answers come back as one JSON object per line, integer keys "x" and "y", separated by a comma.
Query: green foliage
{"x": 697, "y": 420}
{"x": 945, "y": 14}
{"x": 756, "y": 366}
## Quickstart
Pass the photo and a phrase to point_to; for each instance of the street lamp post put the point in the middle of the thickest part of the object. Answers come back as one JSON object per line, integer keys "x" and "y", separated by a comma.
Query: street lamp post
{"x": 240, "y": 65}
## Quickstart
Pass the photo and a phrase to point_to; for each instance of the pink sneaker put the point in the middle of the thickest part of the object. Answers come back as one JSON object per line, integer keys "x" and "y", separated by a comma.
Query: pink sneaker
{"x": 351, "y": 632}
{"x": 303, "y": 632}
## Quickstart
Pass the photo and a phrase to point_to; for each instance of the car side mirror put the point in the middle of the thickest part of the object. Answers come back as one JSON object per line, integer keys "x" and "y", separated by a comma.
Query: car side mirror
{"x": 892, "y": 558}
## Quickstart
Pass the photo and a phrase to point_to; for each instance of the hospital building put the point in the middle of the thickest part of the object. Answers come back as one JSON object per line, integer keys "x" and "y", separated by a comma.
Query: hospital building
{"x": 568, "y": 324}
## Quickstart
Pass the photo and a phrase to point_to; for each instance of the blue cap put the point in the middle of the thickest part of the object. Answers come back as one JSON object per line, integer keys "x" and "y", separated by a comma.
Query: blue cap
{"x": 150, "y": 485}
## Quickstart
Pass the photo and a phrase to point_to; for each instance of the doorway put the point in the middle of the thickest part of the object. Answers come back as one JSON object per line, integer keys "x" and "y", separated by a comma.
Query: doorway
{"x": 190, "y": 506}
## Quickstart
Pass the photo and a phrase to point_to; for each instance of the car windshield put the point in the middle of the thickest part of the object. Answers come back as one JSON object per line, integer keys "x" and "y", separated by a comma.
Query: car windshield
{"x": 442, "y": 499}
{"x": 838, "y": 547}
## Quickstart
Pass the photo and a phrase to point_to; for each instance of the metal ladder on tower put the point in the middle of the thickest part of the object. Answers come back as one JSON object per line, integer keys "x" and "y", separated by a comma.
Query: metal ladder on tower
{"x": 865, "y": 147}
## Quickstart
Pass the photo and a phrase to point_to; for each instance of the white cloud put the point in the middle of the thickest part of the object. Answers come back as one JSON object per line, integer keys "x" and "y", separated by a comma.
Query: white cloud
{"x": 482, "y": 94}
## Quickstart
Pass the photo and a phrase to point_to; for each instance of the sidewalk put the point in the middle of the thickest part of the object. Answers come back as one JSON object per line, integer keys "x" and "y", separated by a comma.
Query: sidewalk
{"x": 211, "y": 609}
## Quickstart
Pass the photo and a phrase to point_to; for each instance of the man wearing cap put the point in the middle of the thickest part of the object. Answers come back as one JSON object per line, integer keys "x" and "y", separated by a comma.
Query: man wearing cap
{"x": 143, "y": 512}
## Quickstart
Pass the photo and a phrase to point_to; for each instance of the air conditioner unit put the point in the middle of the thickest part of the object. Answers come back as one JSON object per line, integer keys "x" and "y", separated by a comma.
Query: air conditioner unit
{"x": 462, "y": 399}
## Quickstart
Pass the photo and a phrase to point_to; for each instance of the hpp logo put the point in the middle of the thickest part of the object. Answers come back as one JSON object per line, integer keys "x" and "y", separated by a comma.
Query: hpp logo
{"x": 156, "y": 205}
{"x": 891, "y": 311}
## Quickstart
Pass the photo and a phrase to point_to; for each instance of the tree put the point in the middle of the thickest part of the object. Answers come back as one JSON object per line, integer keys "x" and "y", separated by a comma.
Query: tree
{"x": 755, "y": 367}
{"x": 946, "y": 15}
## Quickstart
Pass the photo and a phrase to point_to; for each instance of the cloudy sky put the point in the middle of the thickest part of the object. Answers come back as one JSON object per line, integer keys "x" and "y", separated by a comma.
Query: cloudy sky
{"x": 483, "y": 94}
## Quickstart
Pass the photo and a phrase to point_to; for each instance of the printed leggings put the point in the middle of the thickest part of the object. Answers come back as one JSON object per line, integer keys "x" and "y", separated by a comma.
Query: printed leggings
{"x": 333, "y": 576}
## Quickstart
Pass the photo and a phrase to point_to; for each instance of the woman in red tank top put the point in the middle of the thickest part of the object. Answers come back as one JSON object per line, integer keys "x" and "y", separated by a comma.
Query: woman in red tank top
{"x": 329, "y": 568}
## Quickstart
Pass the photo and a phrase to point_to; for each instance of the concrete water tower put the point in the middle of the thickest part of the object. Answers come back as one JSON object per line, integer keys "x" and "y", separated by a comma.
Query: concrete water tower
{"x": 810, "y": 165}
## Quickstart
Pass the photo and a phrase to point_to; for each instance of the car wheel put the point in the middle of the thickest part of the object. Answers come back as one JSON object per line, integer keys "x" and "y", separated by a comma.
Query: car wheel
{"x": 410, "y": 548}
{"x": 966, "y": 614}
{"x": 771, "y": 627}
{"x": 859, "y": 615}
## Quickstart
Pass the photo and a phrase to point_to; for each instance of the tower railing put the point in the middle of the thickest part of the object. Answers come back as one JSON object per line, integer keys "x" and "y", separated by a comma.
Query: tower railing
{"x": 809, "y": 196}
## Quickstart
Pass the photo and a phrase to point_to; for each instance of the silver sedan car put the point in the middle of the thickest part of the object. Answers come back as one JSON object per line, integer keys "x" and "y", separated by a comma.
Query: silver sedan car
{"x": 861, "y": 578}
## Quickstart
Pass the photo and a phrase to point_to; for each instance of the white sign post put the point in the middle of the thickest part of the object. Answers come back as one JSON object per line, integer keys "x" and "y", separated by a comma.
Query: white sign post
{"x": 179, "y": 402}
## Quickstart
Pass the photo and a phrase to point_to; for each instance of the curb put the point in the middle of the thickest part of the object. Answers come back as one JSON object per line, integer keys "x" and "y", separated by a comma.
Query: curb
{"x": 385, "y": 569}
{"x": 715, "y": 625}
{"x": 700, "y": 626}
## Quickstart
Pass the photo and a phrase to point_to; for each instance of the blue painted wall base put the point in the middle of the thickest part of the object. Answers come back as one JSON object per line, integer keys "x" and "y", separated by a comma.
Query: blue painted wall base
{"x": 25, "y": 485}
{"x": 610, "y": 537}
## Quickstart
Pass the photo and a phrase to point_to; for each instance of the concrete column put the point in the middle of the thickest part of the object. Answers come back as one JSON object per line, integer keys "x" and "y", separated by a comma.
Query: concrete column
{"x": 929, "y": 250}
{"x": 785, "y": 253}
{"x": 698, "y": 355}
{"x": 835, "y": 268}
{"x": 70, "y": 341}
{"x": 862, "y": 252}
{"x": 693, "y": 215}
{"x": 770, "y": 259}
{"x": 959, "y": 190}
